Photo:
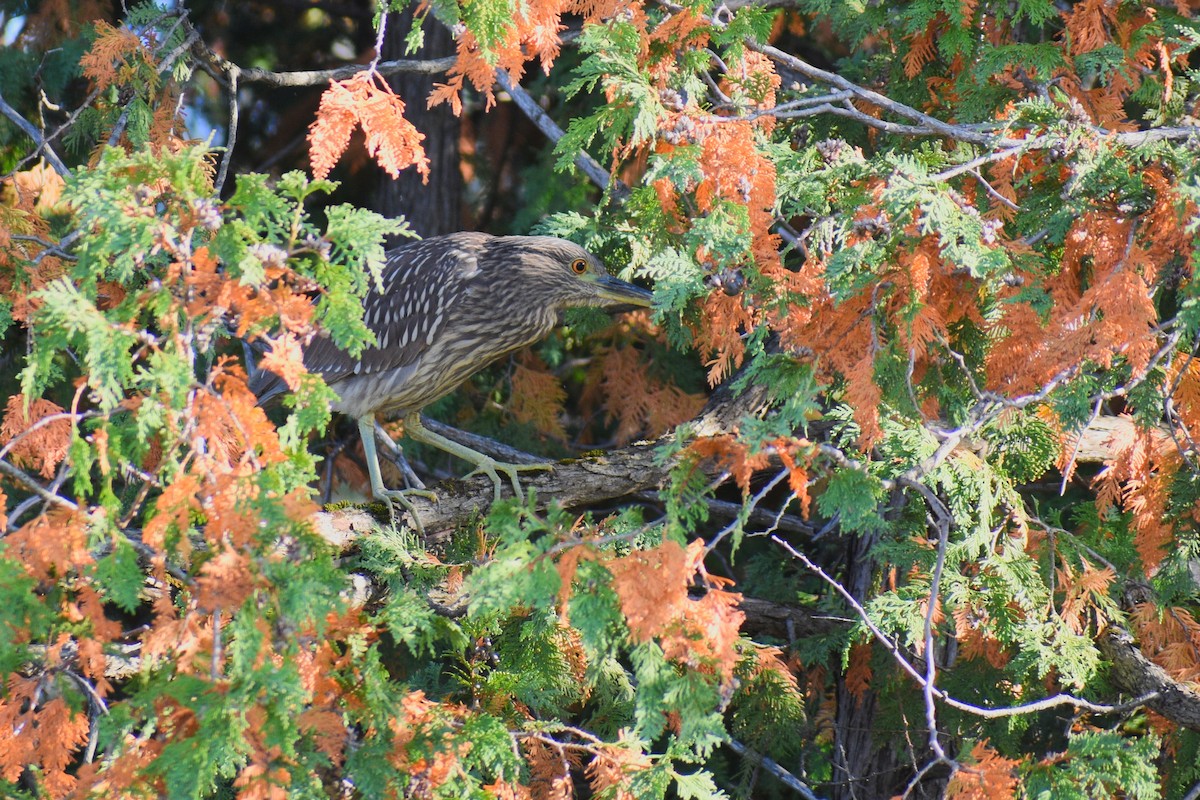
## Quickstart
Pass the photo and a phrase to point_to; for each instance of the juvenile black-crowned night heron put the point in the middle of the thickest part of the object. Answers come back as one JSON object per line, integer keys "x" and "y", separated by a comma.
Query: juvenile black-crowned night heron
{"x": 450, "y": 306}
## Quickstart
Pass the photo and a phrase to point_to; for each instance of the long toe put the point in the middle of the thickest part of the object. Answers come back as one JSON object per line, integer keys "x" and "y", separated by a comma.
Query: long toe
{"x": 488, "y": 468}
{"x": 493, "y": 468}
{"x": 399, "y": 497}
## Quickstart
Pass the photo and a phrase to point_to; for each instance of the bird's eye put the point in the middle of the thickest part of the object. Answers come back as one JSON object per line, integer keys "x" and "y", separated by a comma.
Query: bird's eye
{"x": 579, "y": 266}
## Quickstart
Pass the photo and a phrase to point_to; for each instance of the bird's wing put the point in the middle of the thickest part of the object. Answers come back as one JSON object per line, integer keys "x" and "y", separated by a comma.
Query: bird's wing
{"x": 422, "y": 282}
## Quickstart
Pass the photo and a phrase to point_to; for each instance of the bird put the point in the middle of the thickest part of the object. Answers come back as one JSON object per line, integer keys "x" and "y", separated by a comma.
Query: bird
{"x": 447, "y": 307}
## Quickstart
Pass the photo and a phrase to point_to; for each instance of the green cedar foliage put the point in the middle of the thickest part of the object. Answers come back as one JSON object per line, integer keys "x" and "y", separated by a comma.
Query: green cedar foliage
{"x": 938, "y": 288}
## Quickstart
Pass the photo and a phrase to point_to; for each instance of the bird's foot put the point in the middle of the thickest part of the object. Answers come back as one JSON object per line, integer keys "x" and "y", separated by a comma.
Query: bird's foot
{"x": 492, "y": 468}
{"x": 399, "y": 497}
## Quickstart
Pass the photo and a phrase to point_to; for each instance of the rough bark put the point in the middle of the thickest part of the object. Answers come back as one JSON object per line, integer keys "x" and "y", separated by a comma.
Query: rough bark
{"x": 571, "y": 483}
{"x": 1140, "y": 676}
{"x": 855, "y": 756}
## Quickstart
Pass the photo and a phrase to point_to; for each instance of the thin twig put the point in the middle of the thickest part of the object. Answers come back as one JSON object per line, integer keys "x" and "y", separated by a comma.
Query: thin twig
{"x": 748, "y": 508}
{"x": 320, "y": 77}
{"x": 231, "y": 134}
{"x": 986, "y": 713}
{"x": 1069, "y": 469}
{"x": 943, "y": 529}
{"x": 991, "y": 190}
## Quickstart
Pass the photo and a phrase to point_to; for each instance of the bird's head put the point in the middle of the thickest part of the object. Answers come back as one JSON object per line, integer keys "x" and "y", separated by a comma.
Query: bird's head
{"x": 562, "y": 274}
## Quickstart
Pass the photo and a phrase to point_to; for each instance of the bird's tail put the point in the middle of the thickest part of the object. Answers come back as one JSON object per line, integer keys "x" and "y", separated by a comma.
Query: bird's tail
{"x": 265, "y": 384}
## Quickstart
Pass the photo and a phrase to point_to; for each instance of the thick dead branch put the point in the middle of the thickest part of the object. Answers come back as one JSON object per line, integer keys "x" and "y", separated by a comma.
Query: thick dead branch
{"x": 572, "y": 482}
{"x": 787, "y": 622}
{"x": 1138, "y": 675}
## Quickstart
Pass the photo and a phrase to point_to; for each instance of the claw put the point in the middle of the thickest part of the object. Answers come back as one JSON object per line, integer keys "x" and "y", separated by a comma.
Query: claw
{"x": 394, "y": 497}
{"x": 491, "y": 467}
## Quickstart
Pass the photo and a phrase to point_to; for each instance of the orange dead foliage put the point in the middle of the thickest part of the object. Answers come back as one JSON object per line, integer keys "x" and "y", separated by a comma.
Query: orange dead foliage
{"x": 285, "y": 358}
{"x": 921, "y": 48}
{"x": 653, "y": 589}
{"x": 534, "y": 34}
{"x": 538, "y": 396}
{"x": 1170, "y": 637}
{"x": 52, "y": 545}
{"x": 732, "y": 456}
{"x": 1138, "y": 478}
{"x": 1092, "y": 24}
{"x": 735, "y": 172}
{"x": 991, "y": 777}
{"x": 365, "y": 100}
{"x": 114, "y": 56}
{"x": 840, "y": 335}
{"x": 1099, "y": 312}
{"x": 1080, "y": 590}
{"x": 24, "y": 198}
{"x": 859, "y": 671}
{"x": 610, "y": 771}
{"x": 40, "y": 733}
{"x": 41, "y": 448}
{"x": 549, "y": 766}
{"x": 1087, "y": 24}
{"x": 797, "y": 467}
{"x": 972, "y": 628}
{"x": 640, "y": 404}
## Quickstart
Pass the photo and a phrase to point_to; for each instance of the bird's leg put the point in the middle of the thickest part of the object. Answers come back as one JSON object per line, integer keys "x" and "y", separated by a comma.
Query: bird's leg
{"x": 366, "y": 429}
{"x": 397, "y": 457}
{"x": 483, "y": 463}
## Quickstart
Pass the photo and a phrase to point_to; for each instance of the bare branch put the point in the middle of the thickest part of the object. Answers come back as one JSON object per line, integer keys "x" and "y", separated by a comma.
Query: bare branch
{"x": 788, "y": 779}
{"x": 988, "y": 135}
{"x": 987, "y": 713}
{"x": 41, "y": 144}
{"x": 41, "y": 491}
{"x": 596, "y": 173}
{"x": 320, "y": 77}
{"x": 1133, "y": 672}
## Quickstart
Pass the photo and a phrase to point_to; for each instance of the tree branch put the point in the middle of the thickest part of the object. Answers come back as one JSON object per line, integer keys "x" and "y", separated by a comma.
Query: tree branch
{"x": 41, "y": 145}
{"x": 1136, "y": 674}
{"x": 590, "y": 166}
{"x": 925, "y": 125}
{"x": 41, "y": 491}
{"x": 320, "y": 77}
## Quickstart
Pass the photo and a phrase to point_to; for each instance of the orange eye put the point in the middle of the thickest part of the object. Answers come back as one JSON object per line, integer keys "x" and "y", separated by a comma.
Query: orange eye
{"x": 579, "y": 266}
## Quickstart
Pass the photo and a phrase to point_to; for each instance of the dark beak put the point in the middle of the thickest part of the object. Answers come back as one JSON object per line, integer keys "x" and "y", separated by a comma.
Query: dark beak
{"x": 617, "y": 296}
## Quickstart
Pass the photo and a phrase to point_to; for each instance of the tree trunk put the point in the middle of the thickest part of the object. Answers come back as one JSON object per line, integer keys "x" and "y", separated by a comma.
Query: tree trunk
{"x": 866, "y": 767}
{"x": 432, "y": 208}
{"x": 854, "y": 754}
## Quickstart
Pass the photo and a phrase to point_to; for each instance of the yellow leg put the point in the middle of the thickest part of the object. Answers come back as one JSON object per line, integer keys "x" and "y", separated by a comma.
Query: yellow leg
{"x": 366, "y": 429}
{"x": 483, "y": 463}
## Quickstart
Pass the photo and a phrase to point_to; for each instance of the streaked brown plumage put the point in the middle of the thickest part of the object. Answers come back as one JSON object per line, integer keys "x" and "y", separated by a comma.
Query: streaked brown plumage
{"x": 450, "y": 306}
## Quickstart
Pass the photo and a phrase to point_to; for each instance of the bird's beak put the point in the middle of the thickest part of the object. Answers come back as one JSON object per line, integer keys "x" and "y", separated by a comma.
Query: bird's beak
{"x": 616, "y": 295}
